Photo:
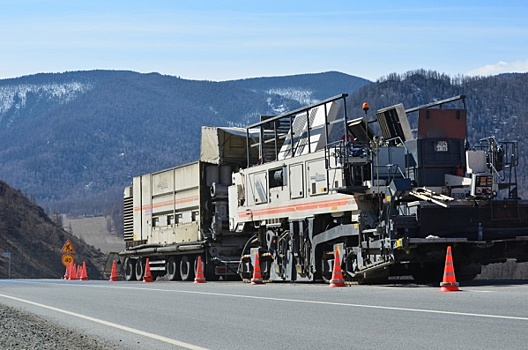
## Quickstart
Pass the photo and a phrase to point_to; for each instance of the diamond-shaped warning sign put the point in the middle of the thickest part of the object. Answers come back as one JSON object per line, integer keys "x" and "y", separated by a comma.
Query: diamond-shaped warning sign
{"x": 67, "y": 247}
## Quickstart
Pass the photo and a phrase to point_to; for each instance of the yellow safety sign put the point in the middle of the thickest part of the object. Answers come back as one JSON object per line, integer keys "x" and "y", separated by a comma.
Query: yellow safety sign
{"x": 67, "y": 259}
{"x": 68, "y": 247}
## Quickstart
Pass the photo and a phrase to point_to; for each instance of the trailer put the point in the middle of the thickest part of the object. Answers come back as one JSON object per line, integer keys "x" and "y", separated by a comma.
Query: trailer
{"x": 177, "y": 214}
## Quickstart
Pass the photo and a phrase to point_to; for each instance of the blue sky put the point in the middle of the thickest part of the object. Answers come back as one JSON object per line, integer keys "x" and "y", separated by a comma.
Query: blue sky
{"x": 223, "y": 40}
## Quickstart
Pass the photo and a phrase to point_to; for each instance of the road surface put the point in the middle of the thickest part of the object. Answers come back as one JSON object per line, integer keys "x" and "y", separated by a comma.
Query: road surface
{"x": 234, "y": 315}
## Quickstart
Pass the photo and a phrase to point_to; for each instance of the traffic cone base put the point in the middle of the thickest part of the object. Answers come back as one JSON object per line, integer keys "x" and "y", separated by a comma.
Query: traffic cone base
{"x": 257, "y": 275}
{"x": 148, "y": 274}
{"x": 337, "y": 275}
{"x": 200, "y": 278}
{"x": 449, "y": 288}
{"x": 449, "y": 283}
{"x": 113, "y": 274}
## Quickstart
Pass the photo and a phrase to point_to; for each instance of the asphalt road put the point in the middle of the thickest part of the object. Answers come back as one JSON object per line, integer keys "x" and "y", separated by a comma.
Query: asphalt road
{"x": 234, "y": 315}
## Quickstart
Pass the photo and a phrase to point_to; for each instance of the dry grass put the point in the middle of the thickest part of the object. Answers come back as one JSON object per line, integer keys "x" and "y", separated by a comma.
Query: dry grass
{"x": 94, "y": 231}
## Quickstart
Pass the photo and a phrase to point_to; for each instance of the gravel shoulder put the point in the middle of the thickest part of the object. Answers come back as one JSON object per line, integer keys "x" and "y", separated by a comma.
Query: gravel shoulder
{"x": 23, "y": 330}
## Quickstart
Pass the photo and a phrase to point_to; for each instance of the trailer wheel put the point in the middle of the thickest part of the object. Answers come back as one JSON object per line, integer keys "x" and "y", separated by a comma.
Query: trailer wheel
{"x": 140, "y": 269}
{"x": 130, "y": 274}
{"x": 172, "y": 268}
{"x": 187, "y": 268}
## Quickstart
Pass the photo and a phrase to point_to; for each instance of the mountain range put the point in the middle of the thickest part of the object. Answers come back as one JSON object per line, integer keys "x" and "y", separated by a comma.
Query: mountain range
{"x": 72, "y": 141}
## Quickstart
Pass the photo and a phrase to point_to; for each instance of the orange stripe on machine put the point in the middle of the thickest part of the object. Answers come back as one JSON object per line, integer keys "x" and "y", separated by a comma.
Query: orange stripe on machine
{"x": 333, "y": 204}
{"x": 167, "y": 203}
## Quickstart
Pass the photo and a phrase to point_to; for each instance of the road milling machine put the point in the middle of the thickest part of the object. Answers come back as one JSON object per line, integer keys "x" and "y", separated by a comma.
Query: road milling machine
{"x": 301, "y": 187}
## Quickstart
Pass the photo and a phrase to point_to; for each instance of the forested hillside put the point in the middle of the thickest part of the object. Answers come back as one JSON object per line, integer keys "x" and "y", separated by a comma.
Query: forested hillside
{"x": 72, "y": 141}
{"x": 305, "y": 88}
{"x": 497, "y": 106}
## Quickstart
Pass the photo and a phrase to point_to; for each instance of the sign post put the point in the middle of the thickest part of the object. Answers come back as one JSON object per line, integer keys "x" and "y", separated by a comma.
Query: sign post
{"x": 67, "y": 253}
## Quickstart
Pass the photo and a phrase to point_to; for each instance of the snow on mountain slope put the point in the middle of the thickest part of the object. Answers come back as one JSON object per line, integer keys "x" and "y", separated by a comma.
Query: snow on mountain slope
{"x": 14, "y": 97}
{"x": 304, "y": 97}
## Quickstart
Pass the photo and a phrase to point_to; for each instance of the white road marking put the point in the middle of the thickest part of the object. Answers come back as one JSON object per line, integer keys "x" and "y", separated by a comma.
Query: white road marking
{"x": 111, "y": 324}
{"x": 365, "y": 306}
{"x": 317, "y": 302}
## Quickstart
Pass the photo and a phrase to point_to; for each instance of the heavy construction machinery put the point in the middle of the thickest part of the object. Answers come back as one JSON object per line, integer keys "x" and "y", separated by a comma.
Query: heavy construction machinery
{"x": 301, "y": 187}
{"x": 175, "y": 215}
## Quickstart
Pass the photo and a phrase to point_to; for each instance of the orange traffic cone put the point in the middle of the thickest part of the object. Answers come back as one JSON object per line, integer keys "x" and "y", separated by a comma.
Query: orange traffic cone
{"x": 113, "y": 274}
{"x": 67, "y": 272}
{"x": 200, "y": 278}
{"x": 148, "y": 274}
{"x": 84, "y": 274}
{"x": 449, "y": 283}
{"x": 337, "y": 275}
{"x": 70, "y": 271}
{"x": 257, "y": 276}
{"x": 73, "y": 272}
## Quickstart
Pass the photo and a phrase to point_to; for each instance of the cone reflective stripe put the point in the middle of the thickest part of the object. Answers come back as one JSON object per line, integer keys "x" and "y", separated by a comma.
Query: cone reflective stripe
{"x": 257, "y": 276}
{"x": 449, "y": 283}
{"x": 200, "y": 278}
{"x": 337, "y": 275}
{"x": 73, "y": 272}
{"x": 148, "y": 274}
{"x": 113, "y": 274}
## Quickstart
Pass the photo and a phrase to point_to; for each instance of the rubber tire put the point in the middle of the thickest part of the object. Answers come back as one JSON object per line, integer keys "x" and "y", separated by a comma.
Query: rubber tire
{"x": 187, "y": 268}
{"x": 209, "y": 272}
{"x": 173, "y": 269}
{"x": 129, "y": 270}
{"x": 140, "y": 269}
